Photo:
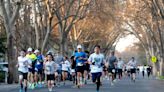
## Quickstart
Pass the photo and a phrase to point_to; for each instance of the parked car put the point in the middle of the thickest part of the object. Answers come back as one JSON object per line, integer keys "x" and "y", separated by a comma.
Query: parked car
{"x": 3, "y": 71}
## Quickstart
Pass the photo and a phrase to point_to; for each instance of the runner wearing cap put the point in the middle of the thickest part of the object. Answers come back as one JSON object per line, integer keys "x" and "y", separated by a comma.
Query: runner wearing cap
{"x": 80, "y": 58}
{"x": 30, "y": 55}
{"x": 38, "y": 68}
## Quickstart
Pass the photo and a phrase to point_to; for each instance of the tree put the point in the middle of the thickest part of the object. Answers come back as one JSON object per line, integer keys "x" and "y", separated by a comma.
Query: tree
{"x": 9, "y": 14}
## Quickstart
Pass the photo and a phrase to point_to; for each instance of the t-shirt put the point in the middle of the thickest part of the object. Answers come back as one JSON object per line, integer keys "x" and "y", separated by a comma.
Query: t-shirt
{"x": 23, "y": 63}
{"x": 58, "y": 60}
{"x": 98, "y": 60}
{"x": 80, "y": 62}
{"x": 66, "y": 65}
{"x": 148, "y": 69}
{"x": 120, "y": 64}
{"x": 39, "y": 62}
{"x": 132, "y": 64}
{"x": 50, "y": 67}
{"x": 32, "y": 57}
{"x": 73, "y": 65}
{"x": 111, "y": 61}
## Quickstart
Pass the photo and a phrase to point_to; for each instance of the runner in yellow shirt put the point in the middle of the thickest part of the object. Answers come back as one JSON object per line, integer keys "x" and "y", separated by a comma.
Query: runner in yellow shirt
{"x": 30, "y": 55}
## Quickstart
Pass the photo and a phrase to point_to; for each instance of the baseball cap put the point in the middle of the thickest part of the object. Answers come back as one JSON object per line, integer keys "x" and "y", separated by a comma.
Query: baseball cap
{"x": 79, "y": 47}
{"x": 36, "y": 51}
{"x": 29, "y": 49}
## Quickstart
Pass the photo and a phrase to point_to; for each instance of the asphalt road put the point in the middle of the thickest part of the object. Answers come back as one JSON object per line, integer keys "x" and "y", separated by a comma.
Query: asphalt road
{"x": 124, "y": 85}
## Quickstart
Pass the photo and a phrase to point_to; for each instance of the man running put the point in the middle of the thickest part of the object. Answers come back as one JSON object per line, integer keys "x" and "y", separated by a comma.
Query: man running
{"x": 58, "y": 59}
{"x": 23, "y": 63}
{"x": 96, "y": 60}
{"x": 73, "y": 66}
{"x": 148, "y": 71}
{"x": 30, "y": 55}
{"x": 143, "y": 71}
{"x": 86, "y": 69}
{"x": 120, "y": 66}
{"x": 111, "y": 62}
{"x": 81, "y": 59}
{"x": 132, "y": 65}
{"x": 38, "y": 68}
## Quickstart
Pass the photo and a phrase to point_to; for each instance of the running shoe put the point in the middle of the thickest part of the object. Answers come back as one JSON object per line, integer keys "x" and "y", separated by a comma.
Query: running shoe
{"x": 85, "y": 82}
{"x": 33, "y": 86}
{"x": 50, "y": 89}
{"x": 21, "y": 90}
{"x": 112, "y": 83}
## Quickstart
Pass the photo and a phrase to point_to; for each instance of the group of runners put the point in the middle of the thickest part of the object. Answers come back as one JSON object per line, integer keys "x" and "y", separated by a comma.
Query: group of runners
{"x": 37, "y": 70}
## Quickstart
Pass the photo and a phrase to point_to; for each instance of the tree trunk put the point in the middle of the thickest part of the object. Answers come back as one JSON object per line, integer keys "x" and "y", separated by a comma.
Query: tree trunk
{"x": 10, "y": 58}
{"x": 36, "y": 26}
{"x": 162, "y": 67}
{"x": 47, "y": 34}
{"x": 63, "y": 45}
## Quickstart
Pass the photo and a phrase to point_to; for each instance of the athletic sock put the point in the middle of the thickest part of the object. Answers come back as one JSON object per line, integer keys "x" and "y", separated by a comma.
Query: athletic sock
{"x": 21, "y": 86}
{"x": 81, "y": 80}
{"x": 25, "y": 89}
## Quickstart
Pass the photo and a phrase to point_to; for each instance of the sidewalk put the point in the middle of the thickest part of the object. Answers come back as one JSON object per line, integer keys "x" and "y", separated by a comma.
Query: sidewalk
{"x": 6, "y": 86}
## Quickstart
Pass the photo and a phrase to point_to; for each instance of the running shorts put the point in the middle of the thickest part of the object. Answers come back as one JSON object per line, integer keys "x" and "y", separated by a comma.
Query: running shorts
{"x": 24, "y": 75}
{"x": 50, "y": 77}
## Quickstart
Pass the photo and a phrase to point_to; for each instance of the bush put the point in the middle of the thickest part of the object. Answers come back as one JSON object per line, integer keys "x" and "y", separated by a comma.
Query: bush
{"x": 161, "y": 77}
{"x": 2, "y": 76}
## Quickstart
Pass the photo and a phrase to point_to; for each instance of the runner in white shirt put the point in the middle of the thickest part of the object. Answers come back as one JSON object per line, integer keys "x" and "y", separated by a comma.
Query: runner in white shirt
{"x": 96, "y": 60}
{"x": 120, "y": 65}
{"x": 23, "y": 63}
{"x": 50, "y": 68}
{"x": 65, "y": 68}
{"x": 132, "y": 64}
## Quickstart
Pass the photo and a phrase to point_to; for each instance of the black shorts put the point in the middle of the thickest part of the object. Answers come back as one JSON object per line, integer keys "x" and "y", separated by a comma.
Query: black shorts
{"x": 32, "y": 70}
{"x": 87, "y": 67}
{"x": 133, "y": 70}
{"x": 39, "y": 71}
{"x": 105, "y": 69}
{"x": 80, "y": 69}
{"x": 59, "y": 72}
{"x": 64, "y": 71}
{"x": 112, "y": 70}
{"x": 24, "y": 75}
{"x": 50, "y": 77}
{"x": 95, "y": 76}
{"x": 119, "y": 71}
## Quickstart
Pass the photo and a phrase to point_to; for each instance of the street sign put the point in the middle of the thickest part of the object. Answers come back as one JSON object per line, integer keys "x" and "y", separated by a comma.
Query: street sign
{"x": 154, "y": 59}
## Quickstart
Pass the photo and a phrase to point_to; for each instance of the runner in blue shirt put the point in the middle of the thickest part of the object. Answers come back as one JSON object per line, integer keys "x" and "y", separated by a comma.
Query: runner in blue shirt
{"x": 80, "y": 58}
{"x": 38, "y": 68}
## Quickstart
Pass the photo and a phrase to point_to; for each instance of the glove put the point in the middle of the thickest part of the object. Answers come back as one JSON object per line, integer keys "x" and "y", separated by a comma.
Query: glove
{"x": 93, "y": 63}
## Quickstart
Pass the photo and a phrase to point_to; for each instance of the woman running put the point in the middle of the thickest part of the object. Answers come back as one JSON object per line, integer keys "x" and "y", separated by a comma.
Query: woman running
{"x": 65, "y": 68}
{"x": 23, "y": 63}
{"x": 50, "y": 67}
{"x": 132, "y": 65}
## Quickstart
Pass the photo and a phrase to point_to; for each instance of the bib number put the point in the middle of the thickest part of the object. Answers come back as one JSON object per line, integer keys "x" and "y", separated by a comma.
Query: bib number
{"x": 113, "y": 70}
{"x": 79, "y": 64}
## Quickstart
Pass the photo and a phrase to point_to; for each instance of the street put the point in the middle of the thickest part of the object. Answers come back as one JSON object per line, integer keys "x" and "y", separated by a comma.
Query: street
{"x": 124, "y": 85}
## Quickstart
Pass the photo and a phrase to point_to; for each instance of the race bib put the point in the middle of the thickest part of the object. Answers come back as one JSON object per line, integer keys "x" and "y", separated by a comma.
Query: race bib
{"x": 72, "y": 70}
{"x": 113, "y": 70}
{"x": 38, "y": 62}
{"x": 48, "y": 68}
{"x": 20, "y": 76}
{"x": 94, "y": 68}
{"x": 36, "y": 69}
{"x": 79, "y": 64}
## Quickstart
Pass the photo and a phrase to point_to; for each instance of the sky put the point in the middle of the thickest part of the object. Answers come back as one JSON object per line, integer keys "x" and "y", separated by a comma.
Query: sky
{"x": 126, "y": 42}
